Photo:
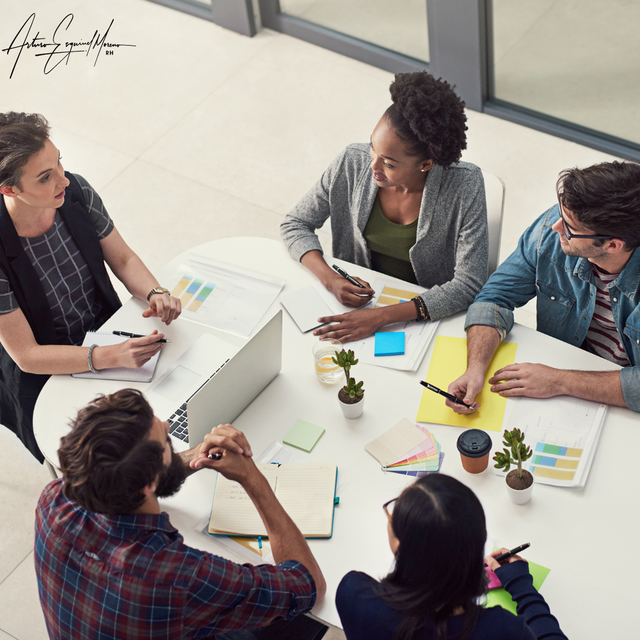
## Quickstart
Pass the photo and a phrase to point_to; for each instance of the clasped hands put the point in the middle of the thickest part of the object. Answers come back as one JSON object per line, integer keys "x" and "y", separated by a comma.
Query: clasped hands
{"x": 236, "y": 459}
{"x": 525, "y": 379}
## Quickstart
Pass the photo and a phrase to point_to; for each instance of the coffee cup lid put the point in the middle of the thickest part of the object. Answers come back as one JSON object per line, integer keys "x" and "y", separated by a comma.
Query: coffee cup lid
{"x": 474, "y": 443}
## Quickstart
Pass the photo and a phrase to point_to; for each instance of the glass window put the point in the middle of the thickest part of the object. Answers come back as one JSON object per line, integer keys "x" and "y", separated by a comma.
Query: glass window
{"x": 398, "y": 25}
{"x": 577, "y": 60}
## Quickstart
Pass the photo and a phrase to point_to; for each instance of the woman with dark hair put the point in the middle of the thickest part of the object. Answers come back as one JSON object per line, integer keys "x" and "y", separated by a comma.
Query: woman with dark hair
{"x": 55, "y": 237}
{"x": 402, "y": 205}
{"x": 437, "y": 533}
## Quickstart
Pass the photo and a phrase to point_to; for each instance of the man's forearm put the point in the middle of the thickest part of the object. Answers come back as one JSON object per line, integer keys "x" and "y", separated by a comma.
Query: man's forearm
{"x": 287, "y": 543}
{"x": 599, "y": 386}
{"x": 482, "y": 342}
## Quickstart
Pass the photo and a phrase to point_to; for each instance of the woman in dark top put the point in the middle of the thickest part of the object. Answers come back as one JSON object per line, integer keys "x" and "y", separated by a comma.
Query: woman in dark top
{"x": 437, "y": 534}
{"x": 55, "y": 238}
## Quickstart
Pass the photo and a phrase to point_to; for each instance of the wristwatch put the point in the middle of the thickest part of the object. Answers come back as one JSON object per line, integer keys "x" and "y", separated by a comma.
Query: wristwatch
{"x": 157, "y": 290}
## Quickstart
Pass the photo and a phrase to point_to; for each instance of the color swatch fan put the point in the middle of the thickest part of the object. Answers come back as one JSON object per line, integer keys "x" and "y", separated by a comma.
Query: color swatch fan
{"x": 407, "y": 449}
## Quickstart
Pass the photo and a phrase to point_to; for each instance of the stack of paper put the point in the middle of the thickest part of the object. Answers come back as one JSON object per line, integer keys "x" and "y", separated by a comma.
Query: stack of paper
{"x": 408, "y": 449}
{"x": 563, "y": 433}
{"x": 418, "y": 335}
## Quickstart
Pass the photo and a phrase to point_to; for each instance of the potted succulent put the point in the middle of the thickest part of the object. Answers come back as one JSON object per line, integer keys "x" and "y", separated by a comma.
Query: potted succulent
{"x": 351, "y": 396}
{"x": 519, "y": 481}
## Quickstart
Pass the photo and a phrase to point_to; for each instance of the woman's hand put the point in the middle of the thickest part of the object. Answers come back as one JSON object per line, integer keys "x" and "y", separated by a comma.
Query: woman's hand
{"x": 132, "y": 353}
{"x": 350, "y": 294}
{"x": 351, "y": 326}
{"x": 163, "y": 306}
{"x": 493, "y": 564}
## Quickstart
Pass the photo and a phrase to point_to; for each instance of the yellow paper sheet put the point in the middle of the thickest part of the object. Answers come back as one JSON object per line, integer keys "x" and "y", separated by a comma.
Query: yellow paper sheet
{"x": 449, "y": 362}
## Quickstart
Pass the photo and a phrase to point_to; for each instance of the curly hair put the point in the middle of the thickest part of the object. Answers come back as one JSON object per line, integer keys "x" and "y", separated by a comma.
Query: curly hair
{"x": 428, "y": 117}
{"x": 21, "y": 135}
{"x": 107, "y": 459}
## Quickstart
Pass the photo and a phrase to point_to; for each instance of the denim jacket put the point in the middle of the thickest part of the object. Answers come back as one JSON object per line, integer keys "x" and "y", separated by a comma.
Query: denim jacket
{"x": 566, "y": 294}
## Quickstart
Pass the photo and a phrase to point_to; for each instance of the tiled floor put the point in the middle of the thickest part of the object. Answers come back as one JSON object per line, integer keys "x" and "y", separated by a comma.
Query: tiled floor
{"x": 199, "y": 133}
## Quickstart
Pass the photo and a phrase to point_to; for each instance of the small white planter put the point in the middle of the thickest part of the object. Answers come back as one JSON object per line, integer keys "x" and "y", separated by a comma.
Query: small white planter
{"x": 352, "y": 411}
{"x": 519, "y": 496}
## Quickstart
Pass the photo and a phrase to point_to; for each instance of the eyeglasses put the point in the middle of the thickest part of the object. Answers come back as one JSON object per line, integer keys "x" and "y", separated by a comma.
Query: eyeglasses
{"x": 388, "y": 508}
{"x": 569, "y": 235}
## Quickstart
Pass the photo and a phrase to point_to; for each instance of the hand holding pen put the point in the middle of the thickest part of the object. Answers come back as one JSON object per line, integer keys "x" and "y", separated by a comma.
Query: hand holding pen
{"x": 126, "y": 334}
{"x": 448, "y": 396}
{"x": 505, "y": 556}
{"x": 349, "y": 290}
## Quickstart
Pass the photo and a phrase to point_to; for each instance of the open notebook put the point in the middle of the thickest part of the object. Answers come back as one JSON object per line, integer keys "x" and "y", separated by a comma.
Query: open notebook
{"x": 105, "y": 339}
{"x": 306, "y": 491}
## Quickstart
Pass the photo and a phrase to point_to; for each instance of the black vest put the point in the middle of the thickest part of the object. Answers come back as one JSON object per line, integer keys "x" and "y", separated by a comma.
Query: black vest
{"x": 19, "y": 390}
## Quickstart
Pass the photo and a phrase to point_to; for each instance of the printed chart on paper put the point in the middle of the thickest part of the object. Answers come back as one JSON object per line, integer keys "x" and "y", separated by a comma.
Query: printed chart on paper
{"x": 563, "y": 433}
{"x": 223, "y": 296}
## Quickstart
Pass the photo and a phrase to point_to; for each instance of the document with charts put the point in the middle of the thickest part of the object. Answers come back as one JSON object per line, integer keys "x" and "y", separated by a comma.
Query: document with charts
{"x": 223, "y": 296}
{"x": 563, "y": 433}
{"x": 418, "y": 335}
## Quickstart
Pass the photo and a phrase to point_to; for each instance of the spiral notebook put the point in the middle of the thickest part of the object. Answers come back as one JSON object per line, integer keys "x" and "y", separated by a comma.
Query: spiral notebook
{"x": 104, "y": 339}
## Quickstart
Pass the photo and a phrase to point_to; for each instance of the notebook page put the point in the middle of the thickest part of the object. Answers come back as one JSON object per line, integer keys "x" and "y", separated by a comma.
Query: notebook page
{"x": 141, "y": 374}
{"x": 233, "y": 510}
{"x": 306, "y": 491}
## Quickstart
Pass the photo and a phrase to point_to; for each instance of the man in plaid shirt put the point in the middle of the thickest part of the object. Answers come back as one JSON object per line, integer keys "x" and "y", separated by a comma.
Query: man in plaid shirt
{"x": 110, "y": 565}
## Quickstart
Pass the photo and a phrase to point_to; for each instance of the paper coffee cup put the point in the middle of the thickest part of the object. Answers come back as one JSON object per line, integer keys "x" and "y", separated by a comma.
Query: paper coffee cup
{"x": 474, "y": 447}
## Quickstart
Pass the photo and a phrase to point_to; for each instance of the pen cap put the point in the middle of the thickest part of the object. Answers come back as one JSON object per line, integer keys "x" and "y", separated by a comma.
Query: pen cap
{"x": 474, "y": 447}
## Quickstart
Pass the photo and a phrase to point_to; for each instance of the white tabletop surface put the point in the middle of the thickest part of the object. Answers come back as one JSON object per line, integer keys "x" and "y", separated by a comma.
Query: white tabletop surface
{"x": 586, "y": 537}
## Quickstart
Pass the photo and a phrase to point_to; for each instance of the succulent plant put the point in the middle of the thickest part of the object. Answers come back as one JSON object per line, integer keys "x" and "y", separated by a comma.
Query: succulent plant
{"x": 346, "y": 360}
{"x": 515, "y": 452}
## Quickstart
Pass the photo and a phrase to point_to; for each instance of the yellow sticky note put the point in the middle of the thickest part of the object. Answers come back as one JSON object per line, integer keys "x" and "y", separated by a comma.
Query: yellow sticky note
{"x": 449, "y": 362}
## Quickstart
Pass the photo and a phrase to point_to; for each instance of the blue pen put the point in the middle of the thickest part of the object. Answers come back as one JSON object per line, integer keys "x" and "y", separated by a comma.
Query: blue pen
{"x": 259, "y": 542}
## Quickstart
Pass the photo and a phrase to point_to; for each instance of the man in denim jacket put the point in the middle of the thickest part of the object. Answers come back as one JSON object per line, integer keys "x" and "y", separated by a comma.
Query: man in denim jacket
{"x": 580, "y": 261}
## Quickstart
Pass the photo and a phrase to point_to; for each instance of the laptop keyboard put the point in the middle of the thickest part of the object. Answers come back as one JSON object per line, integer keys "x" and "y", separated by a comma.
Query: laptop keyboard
{"x": 178, "y": 423}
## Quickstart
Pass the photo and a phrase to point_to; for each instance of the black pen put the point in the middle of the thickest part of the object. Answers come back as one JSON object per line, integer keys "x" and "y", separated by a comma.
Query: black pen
{"x": 344, "y": 274}
{"x": 435, "y": 389}
{"x": 126, "y": 334}
{"x": 513, "y": 552}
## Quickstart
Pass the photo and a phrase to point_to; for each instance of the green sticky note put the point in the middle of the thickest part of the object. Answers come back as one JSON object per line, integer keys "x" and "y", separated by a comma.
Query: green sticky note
{"x": 499, "y": 597}
{"x": 303, "y": 435}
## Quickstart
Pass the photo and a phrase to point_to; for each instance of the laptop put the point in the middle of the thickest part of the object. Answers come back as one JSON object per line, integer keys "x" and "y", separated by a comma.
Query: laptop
{"x": 220, "y": 396}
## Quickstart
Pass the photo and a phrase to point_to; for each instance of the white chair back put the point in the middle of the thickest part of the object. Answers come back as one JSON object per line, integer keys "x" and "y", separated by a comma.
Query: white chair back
{"x": 494, "y": 190}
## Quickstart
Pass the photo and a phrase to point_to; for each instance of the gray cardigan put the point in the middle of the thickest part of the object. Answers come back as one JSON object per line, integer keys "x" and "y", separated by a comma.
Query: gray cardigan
{"x": 451, "y": 251}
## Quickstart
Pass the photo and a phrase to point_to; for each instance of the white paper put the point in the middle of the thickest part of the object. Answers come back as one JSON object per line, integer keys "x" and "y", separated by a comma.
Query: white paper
{"x": 305, "y": 306}
{"x": 222, "y": 296}
{"x": 127, "y": 374}
{"x": 418, "y": 335}
{"x": 565, "y": 422}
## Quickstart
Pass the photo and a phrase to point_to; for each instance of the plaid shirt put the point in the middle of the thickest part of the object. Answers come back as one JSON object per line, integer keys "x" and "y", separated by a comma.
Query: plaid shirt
{"x": 103, "y": 576}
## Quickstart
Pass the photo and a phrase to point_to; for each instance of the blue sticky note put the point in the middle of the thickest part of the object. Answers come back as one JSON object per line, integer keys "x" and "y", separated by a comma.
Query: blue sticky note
{"x": 389, "y": 343}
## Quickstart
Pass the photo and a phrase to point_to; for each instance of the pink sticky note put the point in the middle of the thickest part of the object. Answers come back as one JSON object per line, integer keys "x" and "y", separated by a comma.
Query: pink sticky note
{"x": 494, "y": 581}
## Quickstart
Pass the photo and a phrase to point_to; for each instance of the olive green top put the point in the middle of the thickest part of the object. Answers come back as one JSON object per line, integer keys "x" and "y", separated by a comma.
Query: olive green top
{"x": 389, "y": 244}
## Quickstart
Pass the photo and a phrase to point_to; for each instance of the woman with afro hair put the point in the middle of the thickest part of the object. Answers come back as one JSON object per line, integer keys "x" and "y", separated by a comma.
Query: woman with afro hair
{"x": 402, "y": 205}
